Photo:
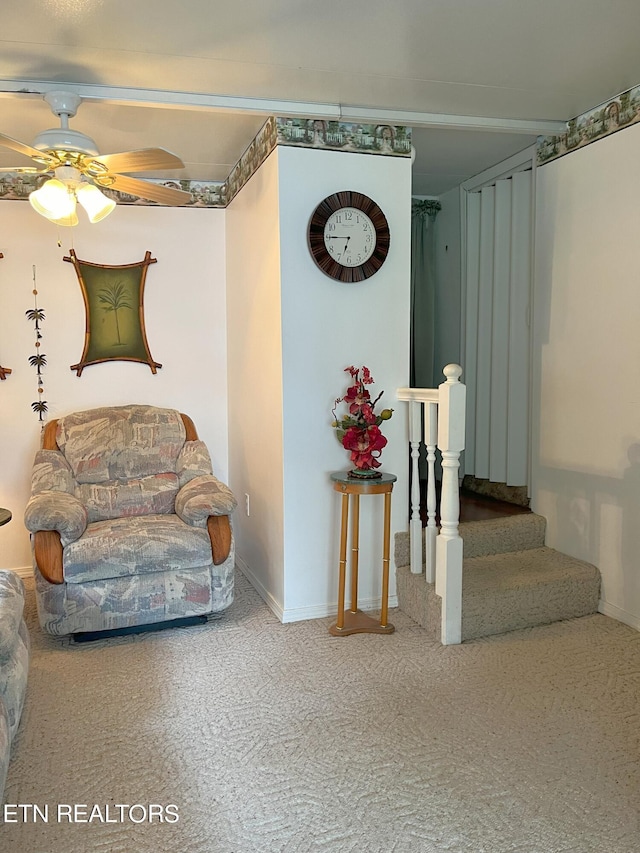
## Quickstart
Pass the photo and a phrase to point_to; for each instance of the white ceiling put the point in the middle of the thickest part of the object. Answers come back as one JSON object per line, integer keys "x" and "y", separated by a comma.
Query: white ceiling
{"x": 199, "y": 76}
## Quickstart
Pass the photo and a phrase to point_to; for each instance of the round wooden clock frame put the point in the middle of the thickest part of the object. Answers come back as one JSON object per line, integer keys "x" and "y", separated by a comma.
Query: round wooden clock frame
{"x": 316, "y": 235}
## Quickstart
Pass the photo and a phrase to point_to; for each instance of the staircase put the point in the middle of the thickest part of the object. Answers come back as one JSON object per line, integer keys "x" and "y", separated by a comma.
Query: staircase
{"x": 510, "y": 580}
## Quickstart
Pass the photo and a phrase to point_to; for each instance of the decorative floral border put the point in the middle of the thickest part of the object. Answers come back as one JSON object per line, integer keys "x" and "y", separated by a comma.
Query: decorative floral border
{"x": 381, "y": 139}
{"x": 255, "y": 155}
{"x": 603, "y": 120}
{"x": 16, "y": 185}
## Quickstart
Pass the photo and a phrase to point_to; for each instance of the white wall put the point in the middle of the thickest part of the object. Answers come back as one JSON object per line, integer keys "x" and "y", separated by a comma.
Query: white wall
{"x": 185, "y": 322}
{"x": 255, "y": 380}
{"x": 586, "y": 466}
{"x": 327, "y": 326}
{"x": 292, "y": 331}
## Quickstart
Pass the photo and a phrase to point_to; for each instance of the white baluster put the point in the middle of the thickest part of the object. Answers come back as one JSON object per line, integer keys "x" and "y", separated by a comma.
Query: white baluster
{"x": 449, "y": 549}
{"x": 430, "y": 439}
{"x": 415, "y": 525}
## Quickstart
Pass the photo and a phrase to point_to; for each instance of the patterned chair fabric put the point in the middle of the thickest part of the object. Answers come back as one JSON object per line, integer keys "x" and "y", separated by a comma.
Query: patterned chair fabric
{"x": 131, "y": 498}
{"x": 14, "y": 664}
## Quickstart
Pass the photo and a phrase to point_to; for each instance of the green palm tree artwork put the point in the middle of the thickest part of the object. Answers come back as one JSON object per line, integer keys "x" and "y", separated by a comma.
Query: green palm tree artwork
{"x": 114, "y": 305}
{"x": 114, "y": 298}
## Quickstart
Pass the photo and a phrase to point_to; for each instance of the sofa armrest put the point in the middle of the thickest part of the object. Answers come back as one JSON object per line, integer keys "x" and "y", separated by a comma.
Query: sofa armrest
{"x": 193, "y": 461}
{"x": 51, "y": 472}
{"x": 204, "y": 496}
{"x": 57, "y": 511}
{"x": 11, "y": 610}
{"x": 207, "y": 502}
{"x": 47, "y": 552}
{"x": 219, "y": 528}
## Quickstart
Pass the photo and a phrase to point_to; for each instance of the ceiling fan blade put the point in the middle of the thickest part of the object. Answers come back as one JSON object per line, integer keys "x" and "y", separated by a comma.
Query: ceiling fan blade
{"x": 22, "y": 148}
{"x": 138, "y": 161}
{"x": 144, "y": 189}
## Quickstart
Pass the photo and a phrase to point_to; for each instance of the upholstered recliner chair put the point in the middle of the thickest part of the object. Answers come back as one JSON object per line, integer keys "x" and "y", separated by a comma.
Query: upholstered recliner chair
{"x": 130, "y": 527}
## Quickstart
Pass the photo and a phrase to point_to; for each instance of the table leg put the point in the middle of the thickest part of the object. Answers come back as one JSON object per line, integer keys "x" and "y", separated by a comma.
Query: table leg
{"x": 343, "y": 560}
{"x": 355, "y": 545}
{"x": 385, "y": 560}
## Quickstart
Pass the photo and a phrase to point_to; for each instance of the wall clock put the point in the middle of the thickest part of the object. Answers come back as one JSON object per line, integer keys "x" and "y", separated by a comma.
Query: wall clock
{"x": 349, "y": 236}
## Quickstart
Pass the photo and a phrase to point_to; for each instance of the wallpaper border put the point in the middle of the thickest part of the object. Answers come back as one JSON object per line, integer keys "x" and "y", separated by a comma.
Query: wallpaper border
{"x": 609, "y": 117}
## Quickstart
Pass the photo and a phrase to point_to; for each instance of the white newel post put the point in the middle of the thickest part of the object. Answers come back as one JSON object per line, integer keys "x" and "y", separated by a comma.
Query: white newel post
{"x": 415, "y": 524}
{"x": 451, "y": 423}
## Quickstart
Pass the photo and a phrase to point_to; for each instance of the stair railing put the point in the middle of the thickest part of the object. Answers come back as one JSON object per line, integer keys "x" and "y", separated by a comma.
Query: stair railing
{"x": 443, "y": 410}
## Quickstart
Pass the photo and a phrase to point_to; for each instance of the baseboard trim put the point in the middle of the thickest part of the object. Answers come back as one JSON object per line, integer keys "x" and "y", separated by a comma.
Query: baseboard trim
{"x": 301, "y": 614}
{"x": 321, "y": 611}
{"x": 23, "y": 572}
{"x": 618, "y": 613}
{"x": 263, "y": 592}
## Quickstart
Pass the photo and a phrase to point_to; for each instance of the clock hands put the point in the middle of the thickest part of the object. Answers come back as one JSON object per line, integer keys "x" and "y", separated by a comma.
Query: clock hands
{"x": 339, "y": 237}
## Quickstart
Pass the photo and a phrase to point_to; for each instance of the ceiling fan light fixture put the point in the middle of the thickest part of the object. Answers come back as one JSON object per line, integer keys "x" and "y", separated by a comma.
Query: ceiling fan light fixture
{"x": 96, "y": 203}
{"x": 67, "y": 221}
{"x": 55, "y": 201}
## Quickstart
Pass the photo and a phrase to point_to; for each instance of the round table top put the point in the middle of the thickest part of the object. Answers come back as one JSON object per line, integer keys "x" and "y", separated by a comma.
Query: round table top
{"x": 5, "y": 516}
{"x": 343, "y": 478}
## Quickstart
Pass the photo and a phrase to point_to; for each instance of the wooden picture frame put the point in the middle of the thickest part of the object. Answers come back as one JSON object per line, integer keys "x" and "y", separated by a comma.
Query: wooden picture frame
{"x": 114, "y": 309}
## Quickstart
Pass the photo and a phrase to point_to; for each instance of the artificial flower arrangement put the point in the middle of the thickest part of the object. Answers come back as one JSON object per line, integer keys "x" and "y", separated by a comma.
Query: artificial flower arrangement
{"x": 359, "y": 430}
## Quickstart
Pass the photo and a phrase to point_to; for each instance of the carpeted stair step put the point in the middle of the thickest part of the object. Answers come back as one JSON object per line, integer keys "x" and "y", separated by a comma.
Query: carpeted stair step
{"x": 493, "y": 536}
{"x": 506, "y": 592}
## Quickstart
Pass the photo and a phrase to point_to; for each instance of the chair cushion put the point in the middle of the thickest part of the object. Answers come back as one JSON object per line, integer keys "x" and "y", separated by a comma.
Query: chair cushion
{"x": 121, "y": 442}
{"x": 126, "y": 498}
{"x": 128, "y": 546}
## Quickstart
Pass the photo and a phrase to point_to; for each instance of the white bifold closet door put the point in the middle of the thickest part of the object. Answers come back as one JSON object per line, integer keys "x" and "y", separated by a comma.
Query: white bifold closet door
{"x": 497, "y": 351}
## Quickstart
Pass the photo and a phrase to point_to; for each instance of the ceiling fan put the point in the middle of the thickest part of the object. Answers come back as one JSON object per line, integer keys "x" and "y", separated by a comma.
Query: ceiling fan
{"x": 81, "y": 171}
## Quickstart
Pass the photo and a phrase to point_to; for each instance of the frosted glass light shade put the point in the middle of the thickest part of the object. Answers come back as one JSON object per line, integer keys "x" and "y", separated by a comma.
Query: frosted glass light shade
{"x": 68, "y": 221}
{"x": 54, "y": 201}
{"x": 94, "y": 202}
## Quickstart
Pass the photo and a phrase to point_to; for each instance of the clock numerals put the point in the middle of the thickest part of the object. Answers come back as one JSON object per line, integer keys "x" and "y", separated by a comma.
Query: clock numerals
{"x": 349, "y": 237}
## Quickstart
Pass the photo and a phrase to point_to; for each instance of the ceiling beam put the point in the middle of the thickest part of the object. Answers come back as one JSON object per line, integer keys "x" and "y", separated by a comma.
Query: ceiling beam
{"x": 443, "y": 121}
{"x": 270, "y": 106}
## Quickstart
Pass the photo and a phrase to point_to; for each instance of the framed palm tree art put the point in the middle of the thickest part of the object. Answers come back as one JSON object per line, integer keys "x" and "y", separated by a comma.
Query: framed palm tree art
{"x": 114, "y": 309}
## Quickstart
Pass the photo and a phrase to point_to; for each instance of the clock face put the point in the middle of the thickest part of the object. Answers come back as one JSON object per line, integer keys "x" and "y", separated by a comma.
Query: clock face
{"x": 348, "y": 236}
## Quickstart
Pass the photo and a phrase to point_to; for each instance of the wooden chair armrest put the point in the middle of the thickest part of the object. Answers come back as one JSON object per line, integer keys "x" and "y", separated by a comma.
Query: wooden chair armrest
{"x": 189, "y": 428}
{"x": 48, "y": 553}
{"x": 219, "y": 529}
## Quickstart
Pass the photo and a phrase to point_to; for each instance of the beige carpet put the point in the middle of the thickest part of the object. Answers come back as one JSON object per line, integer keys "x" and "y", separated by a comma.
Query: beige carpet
{"x": 274, "y": 738}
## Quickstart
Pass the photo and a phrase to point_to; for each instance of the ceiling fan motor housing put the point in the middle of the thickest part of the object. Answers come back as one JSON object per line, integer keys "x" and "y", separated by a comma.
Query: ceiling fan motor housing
{"x": 65, "y": 139}
{"x": 65, "y": 106}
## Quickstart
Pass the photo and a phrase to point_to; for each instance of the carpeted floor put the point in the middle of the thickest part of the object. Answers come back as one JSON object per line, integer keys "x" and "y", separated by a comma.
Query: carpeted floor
{"x": 283, "y": 739}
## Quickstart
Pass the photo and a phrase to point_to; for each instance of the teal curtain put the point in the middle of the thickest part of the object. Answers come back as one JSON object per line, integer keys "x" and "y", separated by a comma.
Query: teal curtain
{"x": 423, "y": 293}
